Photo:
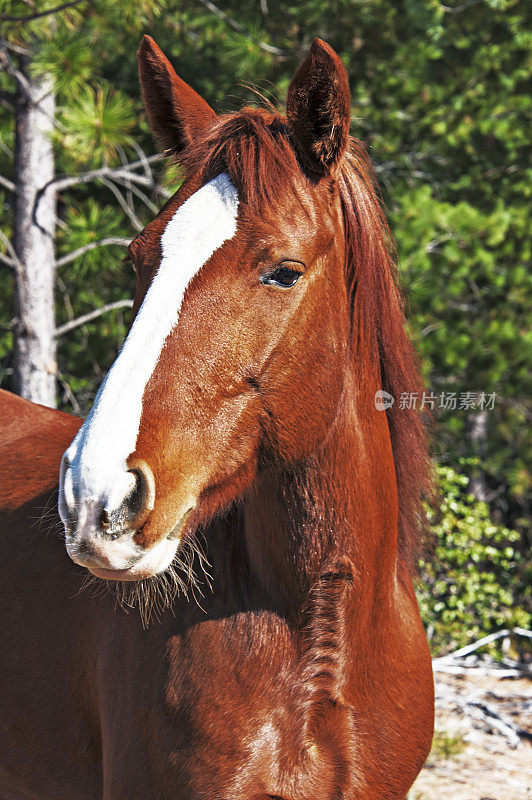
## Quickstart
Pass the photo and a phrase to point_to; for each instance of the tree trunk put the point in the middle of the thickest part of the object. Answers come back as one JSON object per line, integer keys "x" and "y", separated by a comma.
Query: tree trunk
{"x": 34, "y": 234}
{"x": 477, "y": 431}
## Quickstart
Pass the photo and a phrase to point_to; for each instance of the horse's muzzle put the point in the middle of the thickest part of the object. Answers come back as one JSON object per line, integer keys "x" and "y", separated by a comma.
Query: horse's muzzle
{"x": 124, "y": 507}
{"x": 100, "y": 530}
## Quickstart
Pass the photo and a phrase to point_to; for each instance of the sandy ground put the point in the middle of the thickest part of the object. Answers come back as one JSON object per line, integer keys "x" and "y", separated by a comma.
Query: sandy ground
{"x": 470, "y": 759}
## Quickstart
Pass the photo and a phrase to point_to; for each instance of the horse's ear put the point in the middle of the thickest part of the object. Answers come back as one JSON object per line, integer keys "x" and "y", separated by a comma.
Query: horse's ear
{"x": 318, "y": 110}
{"x": 176, "y": 113}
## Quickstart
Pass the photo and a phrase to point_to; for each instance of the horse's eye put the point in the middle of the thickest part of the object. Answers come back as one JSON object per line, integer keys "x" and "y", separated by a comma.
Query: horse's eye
{"x": 283, "y": 276}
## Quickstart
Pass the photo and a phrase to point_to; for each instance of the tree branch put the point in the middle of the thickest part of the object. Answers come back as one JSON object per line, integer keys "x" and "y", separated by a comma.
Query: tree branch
{"x": 20, "y": 79}
{"x": 124, "y": 172}
{"x": 143, "y": 160}
{"x": 10, "y": 249}
{"x": 29, "y": 92}
{"x": 105, "y": 172}
{"x": 9, "y": 185}
{"x": 124, "y": 205}
{"x": 39, "y": 14}
{"x": 76, "y": 323}
{"x": 16, "y": 48}
{"x": 7, "y": 98}
{"x": 236, "y": 26}
{"x": 137, "y": 192}
{"x": 459, "y": 9}
{"x": 7, "y": 261}
{"x": 68, "y": 391}
{"x": 110, "y": 240}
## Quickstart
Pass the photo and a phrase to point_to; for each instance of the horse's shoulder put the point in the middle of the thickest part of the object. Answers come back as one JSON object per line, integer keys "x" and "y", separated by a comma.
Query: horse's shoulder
{"x": 32, "y": 441}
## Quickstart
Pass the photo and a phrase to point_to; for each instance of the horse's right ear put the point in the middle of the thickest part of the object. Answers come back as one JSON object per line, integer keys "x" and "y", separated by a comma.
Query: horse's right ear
{"x": 176, "y": 113}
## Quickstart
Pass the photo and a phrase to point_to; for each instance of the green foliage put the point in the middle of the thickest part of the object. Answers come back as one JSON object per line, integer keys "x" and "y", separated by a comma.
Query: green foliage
{"x": 85, "y": 223}
{"x": 469, "y": 288}
{"x": 97, "y": 126}
{"x": 473, "y": 583}
{"x": 446, "y": 745}
{"x": 64, "y": 55}
{"x": 440, "y": 94}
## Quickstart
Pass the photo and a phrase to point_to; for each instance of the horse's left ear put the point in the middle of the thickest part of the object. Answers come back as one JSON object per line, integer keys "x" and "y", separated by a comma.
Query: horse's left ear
{"x": 318, "y": 110}
{"x": 176, "y": 113}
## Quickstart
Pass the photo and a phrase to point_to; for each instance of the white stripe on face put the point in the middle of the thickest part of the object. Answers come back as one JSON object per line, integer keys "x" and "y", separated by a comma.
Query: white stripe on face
{"x": 98, "y": 473}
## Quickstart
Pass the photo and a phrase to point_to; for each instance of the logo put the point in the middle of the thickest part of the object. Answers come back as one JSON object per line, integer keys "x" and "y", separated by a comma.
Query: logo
{"x": 383, "y": 400}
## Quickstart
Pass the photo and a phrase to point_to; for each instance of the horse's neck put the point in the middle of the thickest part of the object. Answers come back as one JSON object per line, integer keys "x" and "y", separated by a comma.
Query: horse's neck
{"x": 336, "y": 514}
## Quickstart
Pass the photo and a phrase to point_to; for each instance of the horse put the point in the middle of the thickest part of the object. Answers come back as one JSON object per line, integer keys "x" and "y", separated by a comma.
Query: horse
{"x": 241, "y": 479}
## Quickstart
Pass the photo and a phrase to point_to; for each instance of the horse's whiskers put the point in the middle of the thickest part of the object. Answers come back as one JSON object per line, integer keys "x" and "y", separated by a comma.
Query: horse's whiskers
{"x": 47, "y": 519}
{"x": 153, "y": 596}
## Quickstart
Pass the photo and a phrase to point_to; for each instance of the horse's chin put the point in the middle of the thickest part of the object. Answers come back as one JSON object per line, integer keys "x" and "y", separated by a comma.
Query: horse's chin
{"x": 156, "y": 559}
{"x": 133, "y": 574}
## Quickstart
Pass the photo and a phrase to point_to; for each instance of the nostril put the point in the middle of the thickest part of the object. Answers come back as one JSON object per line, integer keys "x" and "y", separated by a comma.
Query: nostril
{"x": 133, "y": 511}
{"x": 84, "y": 549}
{"x": 72, "y": 518}
{"x": 141, "y": 500}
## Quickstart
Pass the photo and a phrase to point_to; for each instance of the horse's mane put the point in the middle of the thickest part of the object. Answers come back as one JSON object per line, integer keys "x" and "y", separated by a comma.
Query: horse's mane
{"x": 379, "y": 318}
{"x": 253, "y": 146}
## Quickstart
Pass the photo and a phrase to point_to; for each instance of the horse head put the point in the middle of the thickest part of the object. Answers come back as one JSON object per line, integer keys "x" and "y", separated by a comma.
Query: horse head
{"x": 236, "y": 354}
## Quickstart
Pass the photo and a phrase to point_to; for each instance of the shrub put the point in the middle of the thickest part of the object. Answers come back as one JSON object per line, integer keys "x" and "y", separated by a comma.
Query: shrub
{"x": 471, "y": 584}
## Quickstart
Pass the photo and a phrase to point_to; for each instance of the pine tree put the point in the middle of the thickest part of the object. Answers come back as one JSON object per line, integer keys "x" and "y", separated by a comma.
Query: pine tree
{"x": 47, "y": 54}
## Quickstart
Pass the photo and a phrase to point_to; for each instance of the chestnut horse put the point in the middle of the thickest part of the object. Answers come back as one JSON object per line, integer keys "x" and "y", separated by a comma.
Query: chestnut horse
{"x": 237, "y": 431}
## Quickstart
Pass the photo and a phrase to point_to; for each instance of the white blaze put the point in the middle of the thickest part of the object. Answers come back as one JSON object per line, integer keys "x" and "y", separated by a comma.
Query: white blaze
{"x": 97, "y": 456}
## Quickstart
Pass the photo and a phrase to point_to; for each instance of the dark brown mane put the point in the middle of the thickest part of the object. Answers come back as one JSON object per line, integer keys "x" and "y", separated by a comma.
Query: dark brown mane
{"x": 253, "y": 146}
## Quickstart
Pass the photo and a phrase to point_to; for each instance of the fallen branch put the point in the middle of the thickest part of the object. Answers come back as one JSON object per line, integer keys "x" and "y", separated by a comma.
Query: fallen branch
{"x": 502, "y": 724}
{"x": 490, "y": 719}
{"x": 494, "y": 672}
{"x": 76, "y": 323}
{"x": 492, "y": 637}
{"x": 474, "y": 706}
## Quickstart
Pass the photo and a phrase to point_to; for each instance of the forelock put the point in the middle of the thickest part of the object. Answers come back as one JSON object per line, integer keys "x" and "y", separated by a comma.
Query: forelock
{"x": 253, "y": 147}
